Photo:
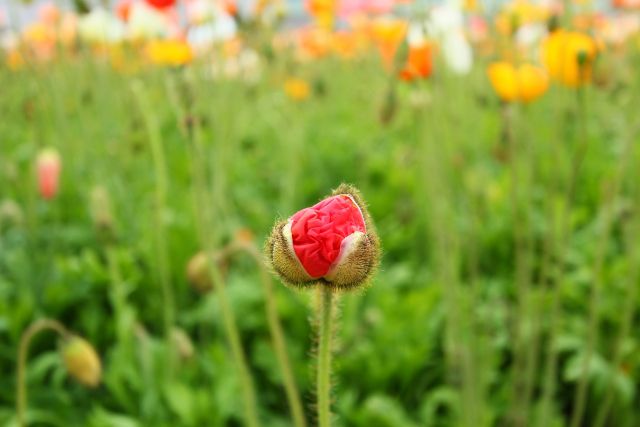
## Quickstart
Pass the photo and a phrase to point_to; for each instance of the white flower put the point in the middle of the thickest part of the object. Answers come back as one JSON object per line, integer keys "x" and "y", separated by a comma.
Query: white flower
{"x": 99, "y": 26}
{"x": 200, "y": 11}
{"x": 415, "y": 34}
{"x": 246, "y": 66}
{"x": 146, "y": 23}
{"x": 457, "y": 53}
{"x": 203, "y": 36}
{"x": 530, "y": 35}
{"x": 9, "y": 40}
{"x": 445, "y": 19}
{"x": 446, "y": 25}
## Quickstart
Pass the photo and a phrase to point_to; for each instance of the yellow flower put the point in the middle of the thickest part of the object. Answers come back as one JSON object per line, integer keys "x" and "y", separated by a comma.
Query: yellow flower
{"x": 533, "y": 82}
{"x": 388, "y": 33}
{"x": 568, "y": 57}
{"x": 518, "y": 13}
{"x": 504, "y": 80}
{"x": 524, "y": 83}
{"x": 14, "y": 60}
{"x": 169, "y": 52}
{"x": 297, "y": 89}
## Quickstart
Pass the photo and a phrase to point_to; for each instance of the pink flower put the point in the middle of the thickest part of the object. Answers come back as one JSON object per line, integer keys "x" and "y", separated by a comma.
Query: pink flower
{"x": 347, "y": 8}
{"x": 331, "y": 242}
{"x": 48, "y": 170}
{"x": 380, "y": 6}
{"x": 49, "y": 14}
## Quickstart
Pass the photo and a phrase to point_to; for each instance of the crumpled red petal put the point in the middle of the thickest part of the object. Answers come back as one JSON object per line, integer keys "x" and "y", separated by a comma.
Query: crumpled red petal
{"x": 317, "y": 232}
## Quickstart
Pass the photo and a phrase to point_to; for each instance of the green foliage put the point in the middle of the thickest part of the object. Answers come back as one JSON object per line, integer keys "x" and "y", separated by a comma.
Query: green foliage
{"x": 488, "y": 266}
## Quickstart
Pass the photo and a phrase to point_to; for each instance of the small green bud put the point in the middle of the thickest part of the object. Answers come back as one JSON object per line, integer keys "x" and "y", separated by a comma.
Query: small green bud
{"x": 82, "y": 361}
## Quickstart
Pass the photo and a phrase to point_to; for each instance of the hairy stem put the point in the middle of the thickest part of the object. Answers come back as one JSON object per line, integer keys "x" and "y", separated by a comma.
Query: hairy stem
{"x": 23, "y": 350}
{"x": 325, "y": 333}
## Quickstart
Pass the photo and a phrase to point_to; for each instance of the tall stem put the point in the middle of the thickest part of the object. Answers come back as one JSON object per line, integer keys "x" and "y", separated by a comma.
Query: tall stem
{"x": 275, "y": 329}
{"x": 325, "y": 333}
{"x": 233, "y": 336}
{"x": 23, "y": 351}
{"x": 277, "y": 337}
{"x": 207, "y": 233}
{"x": 161, "y": 185}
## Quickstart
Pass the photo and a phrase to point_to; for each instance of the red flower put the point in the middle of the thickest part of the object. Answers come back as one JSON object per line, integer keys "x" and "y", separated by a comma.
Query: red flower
{"x": 319, "y": 231}
{"x": 48, "y": 170}
{"x": 331, "y": 243}
{"x": 161, "y": 4}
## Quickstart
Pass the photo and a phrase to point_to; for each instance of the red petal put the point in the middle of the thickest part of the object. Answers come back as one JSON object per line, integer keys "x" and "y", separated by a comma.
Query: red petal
{"x": 318, "y": 232}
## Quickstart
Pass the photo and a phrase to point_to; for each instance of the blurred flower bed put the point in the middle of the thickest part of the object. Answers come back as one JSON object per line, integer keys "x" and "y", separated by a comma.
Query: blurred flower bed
{"x": 495, "y": 143}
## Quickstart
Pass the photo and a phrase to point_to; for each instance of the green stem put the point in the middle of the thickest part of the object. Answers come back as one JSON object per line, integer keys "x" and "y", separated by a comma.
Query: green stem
{"x": 202, "y": 202}
{"x": 23, "y": 351}
{"x": 609, "y": 199}
{"x": 278, "y": 340}
{"x": 161, "y": 185}
{"x": 325, "y": 333}
{"x": 233, "y": 336}
{"x": 275, "y": 329}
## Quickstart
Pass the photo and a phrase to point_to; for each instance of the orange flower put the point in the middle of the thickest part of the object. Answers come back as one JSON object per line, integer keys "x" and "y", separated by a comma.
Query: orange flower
{"x": 346, "y": 44}
{"x": 14, "y": 60}
{"x": 323, "y": 11}
{"x": 419, "y": 62}
{"x": 314, "y": 43}
{"x": 568, "y": 57}
{"x": 169, "y": 52}
{"x": 123, "y": 9}
{"x": 297, "y": 89}
{"x": 524, "y": 83}
{"x": 388, "y": 34}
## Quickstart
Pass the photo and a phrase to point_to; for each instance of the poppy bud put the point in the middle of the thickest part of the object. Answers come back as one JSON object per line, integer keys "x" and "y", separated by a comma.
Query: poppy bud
{"x": 10, "y": 213}
{"x": 82, "y": 361}
{"x": 48, "y": 170}
{"x": 243, "y": 236}
{"x": 198, "y": 274}
{"x": 101, "y": 212}
{"x": 332, "y": 243}
{"x": 182, "y": 343}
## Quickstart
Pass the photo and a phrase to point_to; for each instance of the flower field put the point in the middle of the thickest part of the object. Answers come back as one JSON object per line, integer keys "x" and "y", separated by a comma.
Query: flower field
{"x": 358, "y": 213}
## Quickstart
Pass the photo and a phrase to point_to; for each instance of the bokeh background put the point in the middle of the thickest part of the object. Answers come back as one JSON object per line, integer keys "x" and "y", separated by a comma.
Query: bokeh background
{"x": 495, "y": 144}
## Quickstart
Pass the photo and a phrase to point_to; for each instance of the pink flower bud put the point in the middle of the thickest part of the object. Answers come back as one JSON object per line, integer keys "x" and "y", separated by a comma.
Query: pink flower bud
{"x": 48, "y": 169}
{"x": 333, "y": 243}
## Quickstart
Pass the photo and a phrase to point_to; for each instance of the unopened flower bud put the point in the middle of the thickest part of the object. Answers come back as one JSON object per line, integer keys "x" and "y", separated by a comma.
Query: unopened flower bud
{"x": 243, "y": 236}
{"x": 48, "y": 170}
{"x": 82, "y": 361}
{"x": 10, "y": 213}
{"x": 332, "y": 243}
{"x": 182, "y": 343}
{"x": 101, "y": 212}
{"x": 198, "y": 273}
